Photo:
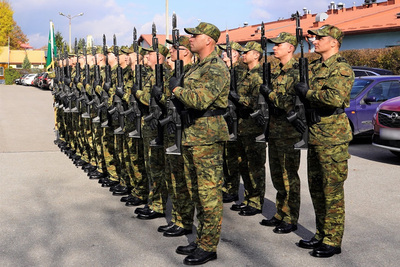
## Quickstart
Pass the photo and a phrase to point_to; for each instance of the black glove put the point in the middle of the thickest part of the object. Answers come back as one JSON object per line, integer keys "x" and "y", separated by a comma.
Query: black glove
{"x": 67, "y": 80}
{"x": 301, "y": 89}
{"x": 175, "y": 82}
{"x": 107, "y": 86}
{"x": 119, "y": 92}
{"x": 76, "y": 79}
{"x": 153, "y": 124}
{"x": 171, "y": 128}
{"x": 265, "y": 90}
{"x": 298, "y": 124}
{"x": 260, "y": 120}
{"x": 157, "y": 93}
{"x": 234, "y": 97}
{"x": 134, "y": 89}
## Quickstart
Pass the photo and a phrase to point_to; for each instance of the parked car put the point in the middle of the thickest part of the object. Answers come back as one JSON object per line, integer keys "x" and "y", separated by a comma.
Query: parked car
{"x": 367, "y": 94}
{"x": 29, "y": 79}
{"x": 386, "y": 124}
{"x": 44, "y": 81}
{"x": 20, "y": 79}
{"x": 367, "y": 71}
{"x": 36, "y": 80}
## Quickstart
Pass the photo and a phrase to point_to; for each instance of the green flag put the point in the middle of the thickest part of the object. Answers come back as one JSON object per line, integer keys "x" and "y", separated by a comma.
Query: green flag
{"x": 51, "y": 48}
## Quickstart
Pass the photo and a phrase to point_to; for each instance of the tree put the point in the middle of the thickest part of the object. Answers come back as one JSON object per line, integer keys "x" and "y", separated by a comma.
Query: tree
{"x": 9, "y": 28}
{"x": 60, "y": 42}
{"x": 6, "y": 22}
{"x": 26, "y": 64}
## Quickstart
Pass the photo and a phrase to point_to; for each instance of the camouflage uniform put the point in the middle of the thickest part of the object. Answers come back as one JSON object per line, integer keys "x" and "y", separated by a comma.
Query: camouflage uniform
{"x": 153, "y": 155}
{"x": 330, "y": 86}
{"x": 206, "y": 88}
{"x": 231, "y": 153}
{"x": 284, "y": 161}
{"x": 252, "y": 154}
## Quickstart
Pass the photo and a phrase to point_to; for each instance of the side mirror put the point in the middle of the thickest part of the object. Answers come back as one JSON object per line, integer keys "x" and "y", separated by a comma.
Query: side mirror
{"x": 370, "y": 99}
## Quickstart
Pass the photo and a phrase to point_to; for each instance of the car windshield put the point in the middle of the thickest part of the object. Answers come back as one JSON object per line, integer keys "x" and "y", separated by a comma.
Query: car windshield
{"x": 358, "y": 87}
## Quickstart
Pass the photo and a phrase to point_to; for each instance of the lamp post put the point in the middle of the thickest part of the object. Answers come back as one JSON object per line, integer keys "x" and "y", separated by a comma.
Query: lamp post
{"x": 69, "y": 17}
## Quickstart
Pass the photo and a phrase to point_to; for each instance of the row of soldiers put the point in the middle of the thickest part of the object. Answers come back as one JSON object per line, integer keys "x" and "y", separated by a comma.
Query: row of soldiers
{"x": 149, "y": 130}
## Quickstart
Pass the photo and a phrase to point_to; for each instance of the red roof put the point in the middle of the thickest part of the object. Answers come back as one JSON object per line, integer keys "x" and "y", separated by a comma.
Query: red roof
{"x": 367, "y": 18}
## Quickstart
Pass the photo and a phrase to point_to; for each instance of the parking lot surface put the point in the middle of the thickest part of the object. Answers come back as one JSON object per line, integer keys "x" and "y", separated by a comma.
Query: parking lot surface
{"x": 53, "y": 215}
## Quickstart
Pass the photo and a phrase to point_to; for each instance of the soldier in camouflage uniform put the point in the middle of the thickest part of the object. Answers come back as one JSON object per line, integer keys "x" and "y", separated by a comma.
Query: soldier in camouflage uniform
{"x": 251, "y": 153}
{"x": 182, "y": 208}
{"x": 205, "y": 97}
{"x": 135, "y": 147}
{"x": 154, "y": 155}
{"x": 328, "y": 94}
{"x": 284, "y": 160}
{"x": 231, "y": 157}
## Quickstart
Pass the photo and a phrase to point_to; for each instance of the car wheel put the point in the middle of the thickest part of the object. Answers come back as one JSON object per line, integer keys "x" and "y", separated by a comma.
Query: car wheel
{"x": 397, "y": 153}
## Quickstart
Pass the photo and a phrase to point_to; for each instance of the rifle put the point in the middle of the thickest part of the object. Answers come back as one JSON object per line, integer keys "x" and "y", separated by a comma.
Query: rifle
{"x": 155, "y": 109}
{"x": 174, "y": 104}
{"x": 263, "y": 109}
{"x": 117, "y": 111}
{"x": 63, "y": 95}
{"x": 75, "y": 94}
{"x": 106, "y": 87}
{"x": 86, "y": 100}
{"x": 133, "y": 103}
{"x": 299, "y": 106}
{"x": 67, "y": 81}
{"x": 231, "y": 111}
{"x": 95, "y": 102}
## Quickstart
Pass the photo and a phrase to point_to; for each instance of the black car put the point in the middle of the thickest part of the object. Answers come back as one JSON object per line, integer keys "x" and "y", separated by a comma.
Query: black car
{"x": 367, "y": 71}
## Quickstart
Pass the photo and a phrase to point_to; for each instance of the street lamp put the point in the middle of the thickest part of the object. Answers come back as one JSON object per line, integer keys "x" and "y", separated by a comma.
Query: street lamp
{"x": 69, "y": 17}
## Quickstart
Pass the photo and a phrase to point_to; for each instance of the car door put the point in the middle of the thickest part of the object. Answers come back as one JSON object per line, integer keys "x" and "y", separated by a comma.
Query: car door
{"x": 374, "y": 96}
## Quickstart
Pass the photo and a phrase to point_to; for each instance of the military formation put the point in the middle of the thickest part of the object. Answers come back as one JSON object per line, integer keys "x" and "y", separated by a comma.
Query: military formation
{"x": 188, "y": 131}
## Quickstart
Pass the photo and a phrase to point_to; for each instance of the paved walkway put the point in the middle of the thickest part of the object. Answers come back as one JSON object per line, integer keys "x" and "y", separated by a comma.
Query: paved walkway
{"x": 51, "y": 214}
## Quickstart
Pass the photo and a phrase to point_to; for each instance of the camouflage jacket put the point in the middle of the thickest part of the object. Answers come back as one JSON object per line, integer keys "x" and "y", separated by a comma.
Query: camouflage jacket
{"x": 206, "y": 87}
{"x": 248, "y": 91}
{"x": 330, "y": 85}
{"x": 283, "y": 79}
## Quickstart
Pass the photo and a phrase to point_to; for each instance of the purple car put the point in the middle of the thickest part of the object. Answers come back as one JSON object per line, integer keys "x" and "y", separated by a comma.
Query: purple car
{"x": 366, "y": 95}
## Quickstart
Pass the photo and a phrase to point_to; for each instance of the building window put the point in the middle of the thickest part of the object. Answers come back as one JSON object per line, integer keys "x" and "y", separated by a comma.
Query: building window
{"x": 1, "y": 71}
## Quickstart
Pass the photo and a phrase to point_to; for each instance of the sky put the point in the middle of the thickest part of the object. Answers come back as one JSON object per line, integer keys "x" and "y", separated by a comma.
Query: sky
{"x": 119, "y": 17}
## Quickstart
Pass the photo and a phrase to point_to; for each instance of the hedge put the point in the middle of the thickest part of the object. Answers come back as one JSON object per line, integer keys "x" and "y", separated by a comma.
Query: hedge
{"x": 10, "y": 75}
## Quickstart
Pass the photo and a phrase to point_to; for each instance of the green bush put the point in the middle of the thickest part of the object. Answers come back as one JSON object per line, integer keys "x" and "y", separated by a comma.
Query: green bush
{"x": 10, "y": 75}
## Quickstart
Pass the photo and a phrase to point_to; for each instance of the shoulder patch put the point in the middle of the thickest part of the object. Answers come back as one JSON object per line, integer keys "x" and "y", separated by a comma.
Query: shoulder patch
{"x": 296, "y": 65}
{"x": 341, "y": 59}
{"x": 214, "y": 60}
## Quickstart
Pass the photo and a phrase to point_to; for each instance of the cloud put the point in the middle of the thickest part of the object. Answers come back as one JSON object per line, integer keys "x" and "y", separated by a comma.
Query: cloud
{"x": 37, "y": 40}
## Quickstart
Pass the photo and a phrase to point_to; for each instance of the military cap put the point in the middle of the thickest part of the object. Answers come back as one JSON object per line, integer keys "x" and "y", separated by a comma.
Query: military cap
{"x": 183, "y": 41}
{"x": 124, "y": 50}
{"x": 252, "y": 45}
{"x": 142, "y": 52}
{"x": 71, "y": 55}
{"x": 205, "y": 28}
{"x": 163, "y": 50}
{"x": 234, "y": 46}
{"x": 99, "y": 50}
{"x": 284, "y": 37}
{"x": 328, "y": 30}
{"x": 110, "y": 49}
{"x": 130, "y": 49}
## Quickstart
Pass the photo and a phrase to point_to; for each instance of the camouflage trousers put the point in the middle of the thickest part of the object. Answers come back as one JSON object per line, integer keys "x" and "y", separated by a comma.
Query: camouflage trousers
{"x": 231, "y": 169}
{"x": 135, "y": 160}
{"x": 155, "y": 168}
{"x": 284, "y": 164}
{"x": 182, "y": 207}
{"x": 60, "y": 123}
{"x": 327, "y": 171}
{"x": 97, "y": 135}
{"x": 204, "y": 178}
{"x": 88, "y": 137}
{"x": 109, "y": 153}
{"x": 252, "y": 169}
{"x": 121, "y": 153}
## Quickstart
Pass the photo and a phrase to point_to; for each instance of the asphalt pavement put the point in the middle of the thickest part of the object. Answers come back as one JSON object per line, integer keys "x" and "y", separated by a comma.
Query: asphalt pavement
{"x": 51, "y": 214}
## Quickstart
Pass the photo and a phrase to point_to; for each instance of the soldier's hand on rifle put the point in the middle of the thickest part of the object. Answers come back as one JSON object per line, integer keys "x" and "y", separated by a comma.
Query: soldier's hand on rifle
{"x": 298, "y": 124}
{"x": 76, "y": 80}
{"x": 157, "y": 92}
{"x": 301, "y": 89}
{"x": 265, "y": 91}
{"x": 234, "y": 97}
{"x": 119, "y": 92}
{"x": 107, "y": 86}
{"x": 67, "y": 80}
{"x": 153, "y": 124}
{"x": 171, "y": 128}
{"x": 260, "y": 120}
{"x": 134, "y": 89}
{"x": 175, "y": 82}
